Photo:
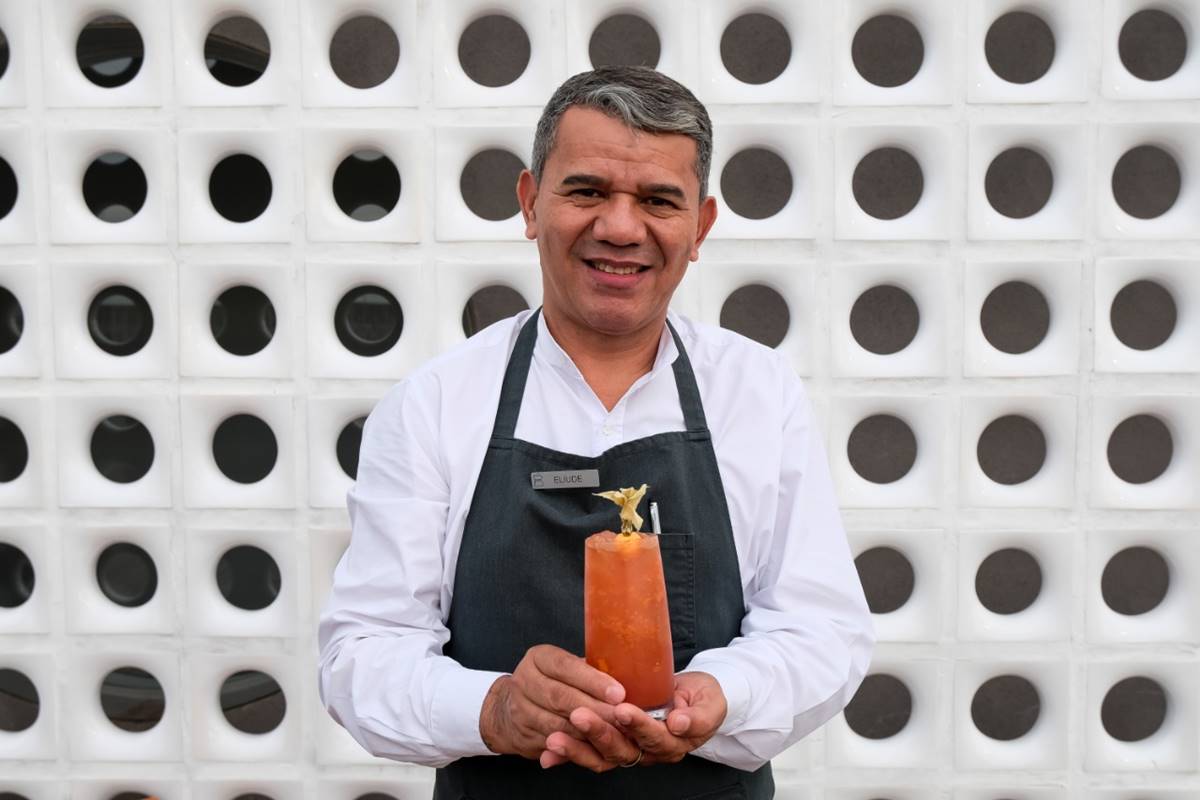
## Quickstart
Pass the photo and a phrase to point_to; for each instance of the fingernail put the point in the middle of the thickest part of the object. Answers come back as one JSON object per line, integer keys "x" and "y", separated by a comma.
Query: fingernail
{"x": 559, "y": 750}
{"x": 583, "y": 726}
{"x": 614, "y": 694}
{"x": 624, "y": 717}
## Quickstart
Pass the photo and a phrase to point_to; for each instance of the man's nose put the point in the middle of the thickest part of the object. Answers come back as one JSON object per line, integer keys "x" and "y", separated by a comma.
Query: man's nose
{"x": 619, "y": 221}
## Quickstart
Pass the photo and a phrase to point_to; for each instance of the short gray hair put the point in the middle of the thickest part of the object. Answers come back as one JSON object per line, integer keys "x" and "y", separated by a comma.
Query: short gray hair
{"x": 642, "y": 98}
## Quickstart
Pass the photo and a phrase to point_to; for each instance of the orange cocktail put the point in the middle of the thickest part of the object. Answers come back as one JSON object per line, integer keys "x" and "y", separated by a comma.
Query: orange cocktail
{"x": 626, "y": 625}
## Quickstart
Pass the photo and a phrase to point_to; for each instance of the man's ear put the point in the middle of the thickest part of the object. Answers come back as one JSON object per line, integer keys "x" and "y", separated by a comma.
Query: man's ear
{"x": 527, "y": 190}
{"x": 708, "y": 215}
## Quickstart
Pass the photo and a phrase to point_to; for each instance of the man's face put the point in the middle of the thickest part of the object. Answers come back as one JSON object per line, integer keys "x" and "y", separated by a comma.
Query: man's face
{"x": 617, "y": 217}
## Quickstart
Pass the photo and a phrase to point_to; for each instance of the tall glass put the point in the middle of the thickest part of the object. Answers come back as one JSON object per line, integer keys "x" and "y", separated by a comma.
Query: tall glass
{"x": 626, "y": 624}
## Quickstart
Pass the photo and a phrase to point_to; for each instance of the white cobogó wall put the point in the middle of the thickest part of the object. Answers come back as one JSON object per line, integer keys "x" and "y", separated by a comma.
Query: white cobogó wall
{"x": 819, "y": 252}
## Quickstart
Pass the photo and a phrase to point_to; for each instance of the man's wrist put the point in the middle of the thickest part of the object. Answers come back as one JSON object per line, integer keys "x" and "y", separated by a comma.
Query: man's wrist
{"x": 492, "y": 715}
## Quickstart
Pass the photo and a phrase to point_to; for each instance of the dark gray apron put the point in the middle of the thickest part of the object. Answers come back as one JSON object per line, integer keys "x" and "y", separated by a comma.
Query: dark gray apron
{"x": 519, "y": 582}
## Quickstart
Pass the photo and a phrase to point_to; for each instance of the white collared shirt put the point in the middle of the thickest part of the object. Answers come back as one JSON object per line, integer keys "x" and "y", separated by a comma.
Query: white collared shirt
{"x": 806, "y": 638}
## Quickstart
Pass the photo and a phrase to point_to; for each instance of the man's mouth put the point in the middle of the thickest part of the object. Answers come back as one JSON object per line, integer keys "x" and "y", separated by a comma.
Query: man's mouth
{"x": 615, "y": 268}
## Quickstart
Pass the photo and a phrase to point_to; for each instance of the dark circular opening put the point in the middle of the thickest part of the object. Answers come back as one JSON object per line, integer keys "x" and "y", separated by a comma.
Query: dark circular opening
{"x": 120, "y": 320}
{"x": 882, "y": 448}
{"x": 114, "y": 187}
{"x": 757, "y": 312}
{"x": 887, "y": 50}
{"x": 16, "y": 576}
{"x": 133, "y": 796}
{"x": 366, "y": 185}
{"x": 1143, "y": 315}
{"x": 887, "y": 578}
{"x": 242, "y": 320}
{"x": 888, "y": 183}
{"x": 1152, "y": 44}
{"x": 1135, "y": 581}
{"x": 248, "y": 577}
{"x": 12, "y": 320}
{"x": 8, "y": 188}
{"x": 375, "y": 796}
{"x": 1019, "y": 182}
{"x": 1134, "y": 709}
{"x": 349, "y": 442}
{"x": 3, "y": 62}
{"x": 126, "y": 574}
{"x": 494, "y": 50}
{"x": 488, "y": 184}
{"x": 1015, "y": 317}
{"x": 368, "y": 320}
{"x": 626, "y": 40}
{"x": 1008, "y": 581}
{"x": 12, "y": 796}
{"x": 1146, "y": 182}
{"x": 1011, "y": 449}
{"x": 884, "y": 320}
{"x": 237, "y": 51}
{"x": 491, "y": 304}
{"x": 239, "y": 187}
{"x": 14, "y": 451}
{"x": 1019, "y": 47}
{"x": 755, "y": 48}
{"x": 109, "y": 50}
{"x": 756, "y": 183}
{"x": 1140, "y": 449}
{"x": 1006, "y": 707}
{"x": 881, "y": 707}
{"x": 252, "y": 702}
{"x": 244, "y": 448}
{"x": 253, "y": 796}
{"x": 122, "y": 449}
{"x": 132, "y": 699}
{"x": 364, "y": 52}
{"x": 19, "y": 701}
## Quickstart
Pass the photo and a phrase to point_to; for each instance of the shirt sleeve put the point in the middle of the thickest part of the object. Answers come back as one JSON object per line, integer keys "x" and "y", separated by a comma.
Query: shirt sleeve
{"x": 807, "y": 636}
{"x": 381, "y": 672}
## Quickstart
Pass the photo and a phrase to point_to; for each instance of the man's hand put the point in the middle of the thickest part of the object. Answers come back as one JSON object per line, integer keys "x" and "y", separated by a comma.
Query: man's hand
{"x": 522, "y": 709}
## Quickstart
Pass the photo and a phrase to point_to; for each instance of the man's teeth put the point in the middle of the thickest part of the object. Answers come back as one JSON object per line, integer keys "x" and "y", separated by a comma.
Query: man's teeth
{"x": 600, "y": 265}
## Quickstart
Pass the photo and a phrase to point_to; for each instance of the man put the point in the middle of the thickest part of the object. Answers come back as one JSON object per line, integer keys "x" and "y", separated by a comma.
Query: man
{"x": 454, "y": 630}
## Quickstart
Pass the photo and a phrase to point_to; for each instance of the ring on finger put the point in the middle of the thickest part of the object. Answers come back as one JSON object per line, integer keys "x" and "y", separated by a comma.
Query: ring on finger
{"x": 637, "y": 760}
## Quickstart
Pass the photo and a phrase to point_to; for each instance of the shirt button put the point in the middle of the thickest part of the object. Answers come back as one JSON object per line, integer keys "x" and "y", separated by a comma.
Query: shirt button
{"x": 607, "y": 430}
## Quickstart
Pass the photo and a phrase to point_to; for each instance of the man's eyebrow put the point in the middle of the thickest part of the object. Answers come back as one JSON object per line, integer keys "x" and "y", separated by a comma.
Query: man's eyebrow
{"x": 582, "y": 179}
{"x": 668, "y": 189}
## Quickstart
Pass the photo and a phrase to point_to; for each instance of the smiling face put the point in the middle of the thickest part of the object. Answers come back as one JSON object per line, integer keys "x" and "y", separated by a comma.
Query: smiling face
{"x": 617, "y": 217}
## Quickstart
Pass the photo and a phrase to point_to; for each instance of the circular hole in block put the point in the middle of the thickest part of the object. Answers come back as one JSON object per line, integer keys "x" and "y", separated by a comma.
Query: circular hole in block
{"x": 252, "y": 702}
{"x": 880, "y": 708}
{"x": 494, "y": 50}
{"x": 109, "y": 50}
{"x": 126, "y": 574}
{"x": 14, "y": 451}
{"x": 882, "y": 448}
{"x": 1011, "y": 449}
{"x": 133, "y": 796}
{"x": 757, "y": 312}
{"x": 16, "y": 576}
{"x": 488, "y": 184}
{"x": 349, "y": 442}
{"x": 3, "y": 53}
{"x": 1134, "y": 709}
{"x": 624, "y": 40}
{"x": 364, "y": 52}
{"x": 122, "y": 449}
{"x": 120, "y": 321}
{"x": 366, "y": 185}
{"x": 491, "y": 304}
{"x": 244, "y": 448}
{"x": 368, "y": 320}
{"x": 1015, "y": 317}
{"x": 1018, "y": 182}
{"x": 756, "y": 183}
{"x": 1019, "y": 47}
{"x": 1140, "y": 448}
{"x": 248, "y": 577}
{"x": 240, "y": 187}
{"x": 19, "y": 702}
{"x": 887, "y": 578}
{"x": 1135, "y": 581}
{"x": 253, "y": 796}
{"x": 1143, "y": 315}
{"x": 884, "y": 319}
{"x": 887, "y": 50}
{"x": 12, "y": 796}
{"x": 242, "y": 320}
{"x": 1152, "y": 44}
{"x": 755, "y": 48}
{"x": 375, "y": 796}
{"x": 1146, "y": 182}
{"x": 888, "y": 183}
{"x": 12, "y": 320}
{"x": 114, "y": 187}
{"x": 1008, "y": 581}
{"x": 237, "y": 51}
{"x": 1006, "y": 707}
{"x": 8, "y": 188}
{"x": 132, "y": 699}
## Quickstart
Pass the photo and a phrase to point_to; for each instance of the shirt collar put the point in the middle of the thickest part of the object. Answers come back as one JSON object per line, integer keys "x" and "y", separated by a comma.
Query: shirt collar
{"x": 547, "y": 350}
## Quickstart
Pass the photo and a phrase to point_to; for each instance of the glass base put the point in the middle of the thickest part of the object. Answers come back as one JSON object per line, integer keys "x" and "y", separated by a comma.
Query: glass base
{"x": 659, "y": 713}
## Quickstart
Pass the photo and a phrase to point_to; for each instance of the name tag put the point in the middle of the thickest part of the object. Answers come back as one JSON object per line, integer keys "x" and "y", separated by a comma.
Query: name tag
{"x": 566, "y": 479}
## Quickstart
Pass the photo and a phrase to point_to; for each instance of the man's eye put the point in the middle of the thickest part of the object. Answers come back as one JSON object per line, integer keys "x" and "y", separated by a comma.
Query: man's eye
{"x": 662, "y": 202}
{"x": 586, "y": 193}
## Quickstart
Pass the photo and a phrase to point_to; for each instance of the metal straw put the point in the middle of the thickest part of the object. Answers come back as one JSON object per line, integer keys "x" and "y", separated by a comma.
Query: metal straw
{"x": 654, "y": 523}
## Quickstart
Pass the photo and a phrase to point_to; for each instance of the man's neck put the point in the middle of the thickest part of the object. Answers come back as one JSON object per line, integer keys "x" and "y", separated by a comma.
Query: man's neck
{"x": 609, "y": 364}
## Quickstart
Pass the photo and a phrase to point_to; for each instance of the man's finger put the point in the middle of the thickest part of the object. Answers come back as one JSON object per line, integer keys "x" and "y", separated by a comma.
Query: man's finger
{"x": 609, "y": 742}
{"x": 570, "y": 669}
{"x": 650, "y": 734}
{"x": 581, "y": 753}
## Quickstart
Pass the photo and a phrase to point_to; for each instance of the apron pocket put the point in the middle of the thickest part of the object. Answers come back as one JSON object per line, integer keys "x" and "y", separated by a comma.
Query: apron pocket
{"x": 679, "y": 570}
